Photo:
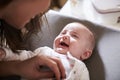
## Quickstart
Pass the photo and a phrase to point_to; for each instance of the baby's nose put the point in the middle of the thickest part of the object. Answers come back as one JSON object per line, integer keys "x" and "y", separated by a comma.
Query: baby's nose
{"x": 65, "y": 37}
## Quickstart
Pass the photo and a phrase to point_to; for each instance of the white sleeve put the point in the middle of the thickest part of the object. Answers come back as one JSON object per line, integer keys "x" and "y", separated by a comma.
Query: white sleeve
{"x": 45, "y": 50}
{"x": 85, "y": 74}
{"x": 23, "y": 55}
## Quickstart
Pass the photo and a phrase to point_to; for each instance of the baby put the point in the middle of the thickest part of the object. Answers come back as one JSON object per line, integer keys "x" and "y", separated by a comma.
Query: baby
{"x": 74, "y": 44}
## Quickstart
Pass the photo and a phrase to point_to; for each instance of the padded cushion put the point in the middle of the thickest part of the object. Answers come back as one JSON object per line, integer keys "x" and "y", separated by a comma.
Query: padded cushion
{"x": 104, "y": 64}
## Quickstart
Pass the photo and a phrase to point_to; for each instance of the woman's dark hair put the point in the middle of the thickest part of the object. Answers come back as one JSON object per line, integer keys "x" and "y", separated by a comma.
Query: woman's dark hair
{"x": 3, "y": 3}
{"x": 14, "y": 38}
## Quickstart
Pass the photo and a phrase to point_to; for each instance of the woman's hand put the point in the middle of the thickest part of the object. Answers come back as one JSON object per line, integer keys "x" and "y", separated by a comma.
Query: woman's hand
{"x": 30, "y": 68}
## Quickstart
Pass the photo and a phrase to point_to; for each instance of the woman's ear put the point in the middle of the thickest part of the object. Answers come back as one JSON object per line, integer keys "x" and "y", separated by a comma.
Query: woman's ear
{"x": 86, "y": 54}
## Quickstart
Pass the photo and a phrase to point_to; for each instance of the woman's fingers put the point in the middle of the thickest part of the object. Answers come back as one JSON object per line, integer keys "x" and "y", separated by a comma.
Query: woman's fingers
{"x": 60, "y": 66}
{"x": 54, "y": 64}
{"x": 46, "y": 74}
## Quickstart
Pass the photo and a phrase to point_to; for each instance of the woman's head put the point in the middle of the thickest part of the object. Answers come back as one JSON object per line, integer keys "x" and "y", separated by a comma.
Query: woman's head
{"x": 16, "y": 15}
{"x": 19, "y": 12}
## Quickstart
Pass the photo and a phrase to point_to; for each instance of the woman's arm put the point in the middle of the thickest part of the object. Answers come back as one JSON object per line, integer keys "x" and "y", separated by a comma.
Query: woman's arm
{"x": 30, "y": 68}
{"x": 8, "y": 68}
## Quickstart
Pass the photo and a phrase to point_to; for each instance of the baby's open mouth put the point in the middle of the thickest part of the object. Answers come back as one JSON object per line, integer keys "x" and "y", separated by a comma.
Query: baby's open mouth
{"x": 64, "y": 44}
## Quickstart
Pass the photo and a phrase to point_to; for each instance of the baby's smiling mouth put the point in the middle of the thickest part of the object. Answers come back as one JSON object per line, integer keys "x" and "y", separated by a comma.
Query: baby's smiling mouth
{"x": 64, "y": 44}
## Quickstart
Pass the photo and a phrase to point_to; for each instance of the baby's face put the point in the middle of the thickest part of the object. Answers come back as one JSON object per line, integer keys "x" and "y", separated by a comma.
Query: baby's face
{"x": 73, "y": 38}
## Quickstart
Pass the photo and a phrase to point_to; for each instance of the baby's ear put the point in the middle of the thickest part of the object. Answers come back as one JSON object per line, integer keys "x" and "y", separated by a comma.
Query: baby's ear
{"x": 86, "y": 54}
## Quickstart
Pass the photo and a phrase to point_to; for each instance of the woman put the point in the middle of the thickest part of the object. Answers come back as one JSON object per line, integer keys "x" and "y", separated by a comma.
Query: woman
{"x": 18, "y": 20}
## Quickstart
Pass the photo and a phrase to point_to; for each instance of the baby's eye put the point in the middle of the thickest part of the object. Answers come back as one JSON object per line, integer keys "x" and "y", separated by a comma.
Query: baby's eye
{"x": 75, "y": 36}
{"x": 63, "y": 33}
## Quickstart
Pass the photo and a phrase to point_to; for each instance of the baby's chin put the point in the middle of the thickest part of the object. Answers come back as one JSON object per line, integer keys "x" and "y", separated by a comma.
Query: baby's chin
{"x": 61, "y": 50}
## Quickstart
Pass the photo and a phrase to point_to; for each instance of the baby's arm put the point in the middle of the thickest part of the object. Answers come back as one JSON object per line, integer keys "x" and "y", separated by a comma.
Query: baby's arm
{"x": 9, "y": 55}
{"x": 80, "y": 71}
